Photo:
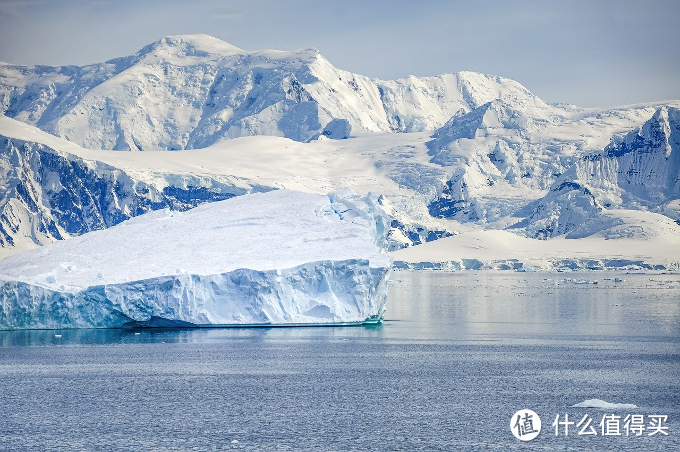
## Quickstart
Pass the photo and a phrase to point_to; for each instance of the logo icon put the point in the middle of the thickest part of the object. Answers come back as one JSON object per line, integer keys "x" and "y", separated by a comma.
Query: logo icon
{"x": 525, "y": 425}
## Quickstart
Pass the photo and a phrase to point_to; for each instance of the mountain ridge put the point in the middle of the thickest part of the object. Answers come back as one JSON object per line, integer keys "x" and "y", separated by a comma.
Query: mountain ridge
{"x": 191, "y": 91}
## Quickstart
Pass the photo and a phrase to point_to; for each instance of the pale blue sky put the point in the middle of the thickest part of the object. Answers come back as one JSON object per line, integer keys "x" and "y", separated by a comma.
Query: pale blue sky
{"x": 587, "y": 52}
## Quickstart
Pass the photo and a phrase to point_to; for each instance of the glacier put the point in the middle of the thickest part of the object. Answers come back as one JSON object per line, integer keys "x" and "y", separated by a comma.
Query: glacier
{"x": 640, "y": 242}
{"x": 276, "y": 258}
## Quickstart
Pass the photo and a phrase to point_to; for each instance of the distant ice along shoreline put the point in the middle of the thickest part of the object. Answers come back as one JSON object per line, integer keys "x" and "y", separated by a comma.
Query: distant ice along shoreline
{"x": 546, "y": 266}
{"x": 503, "y": 250}
{"x": 549, "y": 266}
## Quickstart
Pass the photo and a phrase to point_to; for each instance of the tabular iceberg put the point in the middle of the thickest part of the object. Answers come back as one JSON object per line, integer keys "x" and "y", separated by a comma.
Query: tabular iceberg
{"x": 275, "y": 258}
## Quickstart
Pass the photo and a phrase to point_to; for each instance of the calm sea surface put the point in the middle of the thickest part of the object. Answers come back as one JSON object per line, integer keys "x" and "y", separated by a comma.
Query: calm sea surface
{"x": 456, "y": 357}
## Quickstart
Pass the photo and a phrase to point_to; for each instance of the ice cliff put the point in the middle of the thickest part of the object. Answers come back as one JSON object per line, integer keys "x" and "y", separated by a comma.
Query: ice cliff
{"x": 281, "y": 257}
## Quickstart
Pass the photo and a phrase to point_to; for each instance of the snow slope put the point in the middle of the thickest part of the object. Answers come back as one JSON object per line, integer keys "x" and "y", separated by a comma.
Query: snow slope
{"x": 48, "y": 193}
{"x": 49, "y": 180}
{"x": 654, "y": 246}
{"x": 281, "y": 257}
{"x": 118, "y": 185}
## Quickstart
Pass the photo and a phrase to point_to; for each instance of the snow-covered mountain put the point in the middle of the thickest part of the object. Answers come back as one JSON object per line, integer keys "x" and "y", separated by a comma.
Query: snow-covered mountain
{"x": 506, "y": 155}
{"x": 449, "y": 154}
{"x": 186, "y": 92}
{"x": 640, "y": 170}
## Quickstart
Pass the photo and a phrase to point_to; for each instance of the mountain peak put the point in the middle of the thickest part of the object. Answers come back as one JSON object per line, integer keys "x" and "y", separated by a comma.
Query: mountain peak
{"x": 667, "y": 118}
{"x": 495, "y": 114}
{"x": 667, "y": 121}
{"x": 193, "y": 45}
{"x": 660, "y": 132}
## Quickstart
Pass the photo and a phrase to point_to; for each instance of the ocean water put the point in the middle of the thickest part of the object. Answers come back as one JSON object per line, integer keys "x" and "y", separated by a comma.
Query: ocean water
{"x": 457, "y": 355}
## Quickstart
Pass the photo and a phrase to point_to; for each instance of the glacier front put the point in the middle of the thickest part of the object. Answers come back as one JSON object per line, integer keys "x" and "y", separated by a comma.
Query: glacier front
{"x": 276, "y": 258}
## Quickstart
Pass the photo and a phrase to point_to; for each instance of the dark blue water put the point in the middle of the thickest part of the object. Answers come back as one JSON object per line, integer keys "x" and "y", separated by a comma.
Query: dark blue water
{"x": 458, "y": 355}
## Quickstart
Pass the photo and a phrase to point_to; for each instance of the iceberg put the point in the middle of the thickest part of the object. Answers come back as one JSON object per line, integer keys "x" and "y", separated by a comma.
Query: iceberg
{"x": 598, "y": 403}
{"x": 276, "y": 258}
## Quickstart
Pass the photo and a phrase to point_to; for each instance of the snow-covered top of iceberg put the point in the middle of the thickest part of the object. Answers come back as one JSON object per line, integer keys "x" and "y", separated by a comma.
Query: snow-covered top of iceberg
{"x": 276, "y": 230}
